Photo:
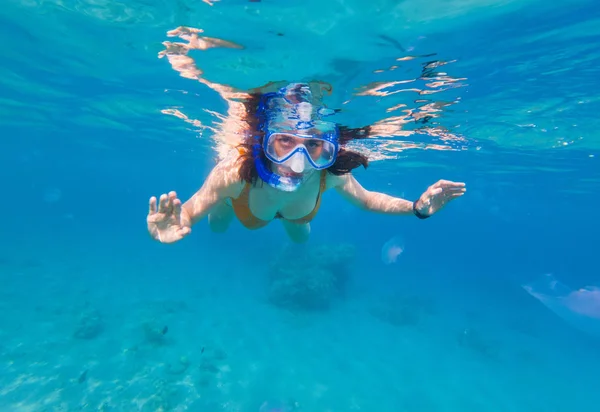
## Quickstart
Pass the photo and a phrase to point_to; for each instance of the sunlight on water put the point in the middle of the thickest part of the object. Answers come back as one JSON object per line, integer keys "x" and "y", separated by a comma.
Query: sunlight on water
{"x": 409, "y": 80}
{"x": 397, "y": 133}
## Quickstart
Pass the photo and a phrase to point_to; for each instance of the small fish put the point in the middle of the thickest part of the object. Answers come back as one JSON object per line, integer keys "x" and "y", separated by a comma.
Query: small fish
{"x": 83, "y": 376}
{"x": 165, "y": 330}
{"x": 202, "y": 351}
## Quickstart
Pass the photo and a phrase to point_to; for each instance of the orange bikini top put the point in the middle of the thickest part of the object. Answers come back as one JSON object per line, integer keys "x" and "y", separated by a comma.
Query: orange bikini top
{"x": 241, "y": 207}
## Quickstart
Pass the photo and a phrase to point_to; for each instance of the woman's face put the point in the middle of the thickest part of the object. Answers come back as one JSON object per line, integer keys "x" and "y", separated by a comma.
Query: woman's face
{"x": 297, "y": 165}
{"x": 284, "y": 143}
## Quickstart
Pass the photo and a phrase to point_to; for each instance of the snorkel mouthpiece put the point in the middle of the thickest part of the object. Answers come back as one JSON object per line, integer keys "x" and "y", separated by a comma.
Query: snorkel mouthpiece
{"x": 296, "y": 163}
{"x": 285, "y": 183}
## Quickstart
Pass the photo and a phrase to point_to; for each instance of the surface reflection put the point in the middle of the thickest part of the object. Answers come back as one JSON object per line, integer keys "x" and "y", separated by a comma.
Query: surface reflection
{"x": 413, "y": 121}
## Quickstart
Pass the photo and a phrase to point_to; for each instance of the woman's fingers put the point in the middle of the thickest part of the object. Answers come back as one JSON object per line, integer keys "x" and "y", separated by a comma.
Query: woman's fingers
{"x": 152, "y": 206}
{"x": 456, "y": 190}
{"x": 447, "y": 184}
{"x": 172, "y": 196}
{"x": 436, "y": 191}
{"x": 162, "y": 204}
{"x": 455, "y": 195}
{"x": 165, "y": 203}
{"x": 177, "y": 207}
{"x": 184, "y": 231}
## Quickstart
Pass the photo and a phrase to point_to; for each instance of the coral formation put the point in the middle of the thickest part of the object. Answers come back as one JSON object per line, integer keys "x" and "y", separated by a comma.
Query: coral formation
{"x": 309, "y": 277}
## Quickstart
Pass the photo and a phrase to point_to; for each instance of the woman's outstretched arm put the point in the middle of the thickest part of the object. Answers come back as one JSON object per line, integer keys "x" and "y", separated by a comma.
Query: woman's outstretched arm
{"x": 170, "y": 221}
{"x": 431, "y": 201}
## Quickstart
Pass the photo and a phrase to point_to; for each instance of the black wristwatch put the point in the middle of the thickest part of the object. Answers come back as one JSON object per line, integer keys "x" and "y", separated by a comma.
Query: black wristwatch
{"x": 417, "y": 213}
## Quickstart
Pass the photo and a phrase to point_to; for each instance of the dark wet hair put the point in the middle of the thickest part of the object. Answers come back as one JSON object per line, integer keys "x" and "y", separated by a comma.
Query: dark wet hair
{"x": 346, "y": 160}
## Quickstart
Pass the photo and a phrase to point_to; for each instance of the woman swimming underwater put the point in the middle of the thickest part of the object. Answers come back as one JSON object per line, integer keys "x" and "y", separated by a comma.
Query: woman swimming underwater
{"x": 289, "y": 158}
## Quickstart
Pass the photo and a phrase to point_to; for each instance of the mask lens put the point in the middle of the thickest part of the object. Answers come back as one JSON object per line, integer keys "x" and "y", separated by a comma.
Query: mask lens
{"x": 320, "y": 153}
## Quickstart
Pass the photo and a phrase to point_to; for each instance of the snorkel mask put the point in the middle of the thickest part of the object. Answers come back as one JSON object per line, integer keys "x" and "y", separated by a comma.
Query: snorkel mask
{"x": 294, "y": 137}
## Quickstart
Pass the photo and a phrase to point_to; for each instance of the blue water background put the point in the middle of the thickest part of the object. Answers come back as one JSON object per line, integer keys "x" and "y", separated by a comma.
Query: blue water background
{"x": 84, "y": 146}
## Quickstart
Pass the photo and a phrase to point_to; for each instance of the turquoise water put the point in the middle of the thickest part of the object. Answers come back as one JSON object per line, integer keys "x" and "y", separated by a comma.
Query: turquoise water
{"x": 98, "y": 113}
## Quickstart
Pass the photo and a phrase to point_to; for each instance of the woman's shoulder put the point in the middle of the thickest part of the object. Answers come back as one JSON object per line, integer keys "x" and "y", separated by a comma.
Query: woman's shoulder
{"x": 231, "y": 158}
{"x": 227, "y": 172}
{"x": 334, "y": 180}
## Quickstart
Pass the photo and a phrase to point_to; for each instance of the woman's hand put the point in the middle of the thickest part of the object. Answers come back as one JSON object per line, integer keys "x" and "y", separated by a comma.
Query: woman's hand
{"x": 165, "y": 224}
{"x": 438, "y": 195}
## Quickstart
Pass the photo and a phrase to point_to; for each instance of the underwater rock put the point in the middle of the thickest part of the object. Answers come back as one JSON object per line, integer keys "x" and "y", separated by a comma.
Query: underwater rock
{"x": 90, "y": 325}
{"x": 309, "y": 277}
{"x": 309, "y": 289}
